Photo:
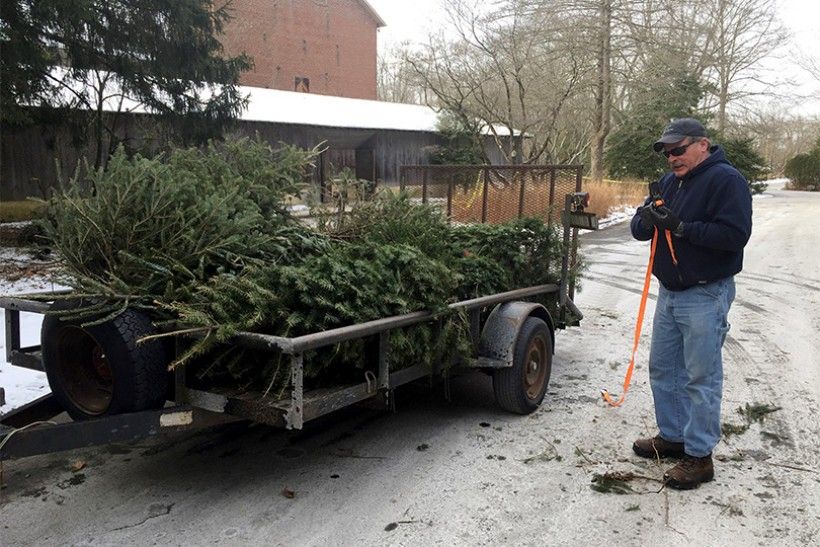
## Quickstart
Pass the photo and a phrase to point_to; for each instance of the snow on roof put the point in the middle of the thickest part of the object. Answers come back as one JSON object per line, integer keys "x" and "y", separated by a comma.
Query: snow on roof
{"x": 291, "y": 107}
{"x": 277, "y": 106}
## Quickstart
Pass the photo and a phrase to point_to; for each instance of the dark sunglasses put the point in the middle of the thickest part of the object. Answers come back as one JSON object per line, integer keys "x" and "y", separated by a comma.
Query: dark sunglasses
{"x": 678, "y": 150}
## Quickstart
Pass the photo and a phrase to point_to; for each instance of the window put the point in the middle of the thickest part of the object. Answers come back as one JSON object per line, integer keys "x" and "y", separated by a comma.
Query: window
{"x": 301, "y": 84}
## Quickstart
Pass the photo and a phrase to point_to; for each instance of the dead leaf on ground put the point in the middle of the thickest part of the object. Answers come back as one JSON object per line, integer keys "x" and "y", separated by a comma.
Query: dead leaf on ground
{"x": 288, "y": 493}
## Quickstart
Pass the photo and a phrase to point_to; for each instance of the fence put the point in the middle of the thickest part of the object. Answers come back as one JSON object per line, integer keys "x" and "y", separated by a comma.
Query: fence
{"x": 493, "y": 193}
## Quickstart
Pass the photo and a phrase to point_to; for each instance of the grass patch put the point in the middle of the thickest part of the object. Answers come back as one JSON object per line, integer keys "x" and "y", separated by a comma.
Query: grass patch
{"x": 16, "y": 211}
{"x": 610, "y": 194}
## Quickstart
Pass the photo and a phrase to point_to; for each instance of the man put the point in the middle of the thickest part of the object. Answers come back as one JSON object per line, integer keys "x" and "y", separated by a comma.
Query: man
{"x": 707, "y": 209}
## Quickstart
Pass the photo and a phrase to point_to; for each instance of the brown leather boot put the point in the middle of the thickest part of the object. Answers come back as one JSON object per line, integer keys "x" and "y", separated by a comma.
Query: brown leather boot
{"x": 690, "y": 472}
{"x": 657, "y": 447}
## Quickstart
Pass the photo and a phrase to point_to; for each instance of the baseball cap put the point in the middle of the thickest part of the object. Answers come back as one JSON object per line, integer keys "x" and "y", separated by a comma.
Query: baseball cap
{"x": 678, "y": 130}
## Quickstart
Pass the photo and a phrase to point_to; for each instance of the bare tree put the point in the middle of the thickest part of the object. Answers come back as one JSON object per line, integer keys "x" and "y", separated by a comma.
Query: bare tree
{"x": 811, "y": 65}
{"x": 512, "y": 69}
{"x": 779, "y": 136}
{"x": 657, "y": 37}
{"x": 602, "y": 121}
{"x": 592, "y": 21}
{"x": 628, "y": 46}
{"x": 564, "y": 73}
{"x": 745, "y": 32}
{"x": 395, "y": 80}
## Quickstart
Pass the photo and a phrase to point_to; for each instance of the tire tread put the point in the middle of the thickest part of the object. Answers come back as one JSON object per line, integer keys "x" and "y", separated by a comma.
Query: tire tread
{"x": 507, "y": 384}
{"x": 140, "y": 370}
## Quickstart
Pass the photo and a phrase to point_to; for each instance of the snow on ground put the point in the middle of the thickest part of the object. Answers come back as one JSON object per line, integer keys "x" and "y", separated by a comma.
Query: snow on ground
{"x": 22, "y": 274}
{"x": 616, "y": 216}
{"x": 776, "y": 184}
{"x": 464, "y": 472}
{"x": 21, "y": 385}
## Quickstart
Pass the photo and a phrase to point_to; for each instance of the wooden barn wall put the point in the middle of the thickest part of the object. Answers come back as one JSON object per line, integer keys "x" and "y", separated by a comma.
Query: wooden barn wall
{"x": 492, "y": 151}
{"x": 28, "y": 156}
{"x": 391, "y": 149}
{"x": 27, "y": 160}
{"x": 33, "y": 158}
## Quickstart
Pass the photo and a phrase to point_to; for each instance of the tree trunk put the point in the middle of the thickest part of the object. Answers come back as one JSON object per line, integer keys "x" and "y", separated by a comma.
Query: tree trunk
{"x": 98, "y": 132}
{"x": 603, "y": 93}
{"x": 723, "y": 99}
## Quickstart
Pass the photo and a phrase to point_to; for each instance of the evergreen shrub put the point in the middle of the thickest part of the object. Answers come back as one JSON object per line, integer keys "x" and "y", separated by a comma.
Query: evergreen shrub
{"x": 804, "y": 170}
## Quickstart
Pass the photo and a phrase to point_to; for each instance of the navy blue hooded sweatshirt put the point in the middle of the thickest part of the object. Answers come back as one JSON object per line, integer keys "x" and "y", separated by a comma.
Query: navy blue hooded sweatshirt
{"x": 715, "y": 205}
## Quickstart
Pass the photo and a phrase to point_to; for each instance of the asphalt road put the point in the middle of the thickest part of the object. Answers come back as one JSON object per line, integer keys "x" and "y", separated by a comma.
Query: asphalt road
{"x": 466, "y": 473}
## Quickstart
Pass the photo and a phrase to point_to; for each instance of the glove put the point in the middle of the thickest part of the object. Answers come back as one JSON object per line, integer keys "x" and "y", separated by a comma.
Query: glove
{"x": 665, "y": 219}
{"x": 647, "y": 219}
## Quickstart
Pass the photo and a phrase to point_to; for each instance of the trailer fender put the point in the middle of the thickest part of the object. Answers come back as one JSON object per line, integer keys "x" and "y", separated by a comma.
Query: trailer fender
{"x": 496, "y": 348}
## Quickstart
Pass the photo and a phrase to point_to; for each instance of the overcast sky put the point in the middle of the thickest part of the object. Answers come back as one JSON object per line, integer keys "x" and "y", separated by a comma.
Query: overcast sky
{"x": 412, "y": 19}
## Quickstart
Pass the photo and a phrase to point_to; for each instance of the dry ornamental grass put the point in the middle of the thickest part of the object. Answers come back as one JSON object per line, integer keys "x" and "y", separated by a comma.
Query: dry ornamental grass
{"x": 611, "y": 195}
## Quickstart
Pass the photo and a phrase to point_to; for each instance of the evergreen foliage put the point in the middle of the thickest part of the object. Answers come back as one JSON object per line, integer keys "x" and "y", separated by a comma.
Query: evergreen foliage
{"x": 743, "y": 155}
{"x": 630, "y": 153}
{"x": 804, "y": 169}
{"x": 499, "y": 258}
{"x": 462, "y": 144}
{"x": 70, "y": 56}
{"x": 157, "y": 225}
{"x": 201, "y": 240}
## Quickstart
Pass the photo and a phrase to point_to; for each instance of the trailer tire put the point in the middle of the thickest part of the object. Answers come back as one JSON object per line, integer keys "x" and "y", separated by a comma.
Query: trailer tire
{"x": 100, "y": 370}
{"x": 521, "y": 387}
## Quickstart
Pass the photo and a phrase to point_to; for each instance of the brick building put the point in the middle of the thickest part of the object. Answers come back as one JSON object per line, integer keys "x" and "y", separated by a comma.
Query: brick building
{"x": 327, "y": 47}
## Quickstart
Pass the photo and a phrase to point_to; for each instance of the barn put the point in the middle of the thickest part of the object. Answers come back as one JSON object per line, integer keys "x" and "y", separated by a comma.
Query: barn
{"x": 373, "y": 138}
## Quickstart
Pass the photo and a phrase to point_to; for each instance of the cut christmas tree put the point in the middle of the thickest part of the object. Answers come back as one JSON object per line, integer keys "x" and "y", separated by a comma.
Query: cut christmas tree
{"x": 203, "y": 244}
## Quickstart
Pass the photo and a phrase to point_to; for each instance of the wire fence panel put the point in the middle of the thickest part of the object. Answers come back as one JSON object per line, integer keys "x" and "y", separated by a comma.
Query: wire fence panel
{"x": 493, "y": 193}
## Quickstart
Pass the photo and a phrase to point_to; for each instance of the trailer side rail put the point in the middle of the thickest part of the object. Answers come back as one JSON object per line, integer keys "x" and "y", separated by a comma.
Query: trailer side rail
{"x": 204, "y": 407}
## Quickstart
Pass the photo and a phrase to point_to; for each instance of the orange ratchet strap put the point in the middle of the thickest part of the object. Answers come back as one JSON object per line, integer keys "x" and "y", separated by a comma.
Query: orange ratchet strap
{"x": 671, "y": 247}
{"x": 628, "y": 379}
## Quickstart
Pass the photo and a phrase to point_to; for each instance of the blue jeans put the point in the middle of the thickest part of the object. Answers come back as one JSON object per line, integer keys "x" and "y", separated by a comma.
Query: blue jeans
{"x": 685, "y": 364}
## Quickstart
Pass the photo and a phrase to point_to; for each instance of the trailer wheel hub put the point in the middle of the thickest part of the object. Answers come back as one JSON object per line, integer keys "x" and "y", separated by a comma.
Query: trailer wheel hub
{"x": 536, "y": 372}
{"x": 86, "y": 370}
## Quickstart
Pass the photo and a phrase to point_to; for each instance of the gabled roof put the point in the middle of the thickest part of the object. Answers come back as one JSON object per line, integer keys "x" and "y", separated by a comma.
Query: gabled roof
{"x": 373, "y": 13}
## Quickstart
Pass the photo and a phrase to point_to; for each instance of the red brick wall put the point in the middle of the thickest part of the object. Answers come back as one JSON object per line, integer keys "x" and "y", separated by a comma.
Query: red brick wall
{"x": 330, "y": 42}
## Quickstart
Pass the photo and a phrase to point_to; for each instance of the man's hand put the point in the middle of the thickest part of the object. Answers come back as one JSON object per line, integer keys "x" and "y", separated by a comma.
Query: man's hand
{"x": 661, "y": 217}
{"x": 647, "y": 218}
{"x": 664, "y": 219}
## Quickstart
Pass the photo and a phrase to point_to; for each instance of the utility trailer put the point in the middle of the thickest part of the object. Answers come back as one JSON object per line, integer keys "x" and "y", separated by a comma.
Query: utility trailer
{"x": 513, "y": 334}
